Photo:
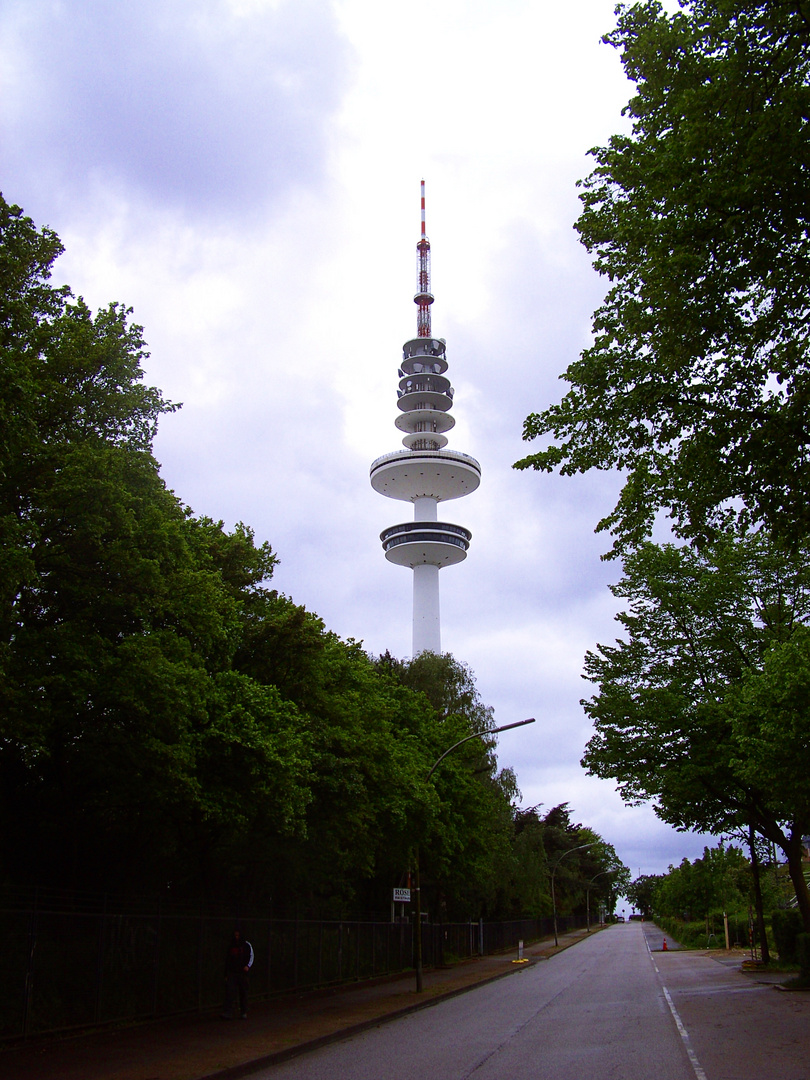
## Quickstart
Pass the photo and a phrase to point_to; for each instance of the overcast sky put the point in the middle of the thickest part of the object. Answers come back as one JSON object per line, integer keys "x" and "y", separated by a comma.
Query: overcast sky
{"x": 245, "y": 174}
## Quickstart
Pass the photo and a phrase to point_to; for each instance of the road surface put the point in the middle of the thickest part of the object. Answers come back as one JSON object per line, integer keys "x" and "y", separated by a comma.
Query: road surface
{"x": 611, "y": 1008}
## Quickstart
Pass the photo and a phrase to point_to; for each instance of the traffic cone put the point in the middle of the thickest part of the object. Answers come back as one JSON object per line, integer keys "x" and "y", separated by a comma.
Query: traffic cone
{"x": 664, "y": 946}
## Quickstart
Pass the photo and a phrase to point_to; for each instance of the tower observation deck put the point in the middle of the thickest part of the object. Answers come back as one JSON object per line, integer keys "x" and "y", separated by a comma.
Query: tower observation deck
{"x": 425, "y": 473}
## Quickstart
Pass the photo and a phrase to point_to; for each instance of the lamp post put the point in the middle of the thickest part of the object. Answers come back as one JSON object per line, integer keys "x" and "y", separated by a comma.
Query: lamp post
{"x": 579, "y": 847}
{"x": 476, "y": 735}
{"x": 588, "y": 897}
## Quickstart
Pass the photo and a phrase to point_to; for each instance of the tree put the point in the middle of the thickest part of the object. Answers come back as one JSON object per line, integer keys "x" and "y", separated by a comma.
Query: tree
{"x": 129, "y": 746}
{"x": 703, "y": 708}
{"x": 697, "y": 383}
{"x": 465, "y": 830}
{"x": 125, "y": 728}
{"x": 717, "y": 882}
{"x": 642, "y": 893}
{"x": 527, "y": 890}
{"x": 448, "y": 684}
{"x": 582, "y": 864}
{"x": 66, "y": 378}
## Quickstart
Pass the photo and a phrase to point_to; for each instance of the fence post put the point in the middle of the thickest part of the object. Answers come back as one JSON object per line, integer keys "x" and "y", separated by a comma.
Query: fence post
{"x": 156, "y": 981}
{"x": 28, "y": 991}
{"x": 295, "y": 953}
{"x": 200, "y": 946}
{"x": 100, "y": 963}
{"x": 320, "y": 953}
{"x": 268, "y": 984}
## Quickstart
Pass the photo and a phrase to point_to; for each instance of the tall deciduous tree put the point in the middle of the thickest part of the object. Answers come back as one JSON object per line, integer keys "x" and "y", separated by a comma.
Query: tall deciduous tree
{"x": 641, "y": 892}
{"x": 128, "y": 743}
{"x": 697, "y": 383}
{"x": 704, "y": 707}
{"x": 466, "y": 803}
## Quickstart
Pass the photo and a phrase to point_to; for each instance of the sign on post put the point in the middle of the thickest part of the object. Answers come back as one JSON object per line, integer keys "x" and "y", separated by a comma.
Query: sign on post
{"x": 402, "y": 896}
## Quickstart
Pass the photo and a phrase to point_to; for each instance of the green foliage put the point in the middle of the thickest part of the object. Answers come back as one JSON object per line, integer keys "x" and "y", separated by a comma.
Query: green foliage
{"x": 692, "y": 901}
{"x": 449, "y": 685}
{"x": 529, "y": 883}
{"x": 719, "y": 881}
{"x": 706, "y": 933}
{"x": 696, "y": 387}
{"x": 769, "y": 711}
{"x": 465, "y": 829}
{"x": 696, "y": 384}
{"x": 787, "y": 926}
{"x": 642, "y": 893}
{"x": 692, "y": 710}
{"x": 129, "y": 745}
{"x": 586, "y": 870}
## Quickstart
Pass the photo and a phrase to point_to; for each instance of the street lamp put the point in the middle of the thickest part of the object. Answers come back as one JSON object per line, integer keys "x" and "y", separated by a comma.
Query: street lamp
{"x": 579, "y": 847}
{"x": 476, "y": 735}
{"x": 588, "y": 897}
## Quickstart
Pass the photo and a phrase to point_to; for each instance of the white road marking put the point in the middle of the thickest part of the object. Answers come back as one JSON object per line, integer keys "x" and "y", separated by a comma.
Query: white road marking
{"x": 699, "y": 1073}
{"x": 684, "y": 1034}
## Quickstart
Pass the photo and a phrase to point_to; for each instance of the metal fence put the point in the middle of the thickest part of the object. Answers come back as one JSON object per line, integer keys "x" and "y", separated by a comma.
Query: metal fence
{"x": 67, "y": 969}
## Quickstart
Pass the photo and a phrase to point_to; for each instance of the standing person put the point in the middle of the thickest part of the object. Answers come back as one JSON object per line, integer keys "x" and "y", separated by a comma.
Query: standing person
{"x": 238, "y": 962}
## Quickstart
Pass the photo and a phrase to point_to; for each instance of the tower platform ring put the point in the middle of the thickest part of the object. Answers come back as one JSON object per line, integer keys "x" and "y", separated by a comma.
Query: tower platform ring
{"x": 442, "y": 421}
{"x": 420, "y": 400}
{"x": 430, "y": 554}
{"x": 430, "y": 543}
{"x": 417, "y": 474}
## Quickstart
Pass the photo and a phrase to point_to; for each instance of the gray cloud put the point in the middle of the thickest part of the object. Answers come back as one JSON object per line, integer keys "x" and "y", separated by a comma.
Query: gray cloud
{"x": 181, "y": 102}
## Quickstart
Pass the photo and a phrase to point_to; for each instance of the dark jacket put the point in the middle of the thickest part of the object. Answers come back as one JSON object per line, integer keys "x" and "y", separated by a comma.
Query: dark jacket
{"x": 239, "y": 956}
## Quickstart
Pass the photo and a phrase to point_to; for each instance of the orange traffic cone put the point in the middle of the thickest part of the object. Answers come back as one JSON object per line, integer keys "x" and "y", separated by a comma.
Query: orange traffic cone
{"x": 664, "y": 946}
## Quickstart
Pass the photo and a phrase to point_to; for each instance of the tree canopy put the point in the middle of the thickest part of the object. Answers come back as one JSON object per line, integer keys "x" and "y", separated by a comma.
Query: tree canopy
{"x": 697, "y": 383}
{"x": 695, "y": 899}
{"x": 125, "y": 726}
{"x": 702, "y": 707}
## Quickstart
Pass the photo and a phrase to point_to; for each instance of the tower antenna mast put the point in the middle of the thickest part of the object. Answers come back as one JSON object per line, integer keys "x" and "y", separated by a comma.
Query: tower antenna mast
{"x": 424, "y": 297}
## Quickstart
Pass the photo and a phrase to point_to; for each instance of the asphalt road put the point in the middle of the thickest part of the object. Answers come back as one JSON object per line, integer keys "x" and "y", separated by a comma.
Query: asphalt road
{"x": 607, "y": 1009}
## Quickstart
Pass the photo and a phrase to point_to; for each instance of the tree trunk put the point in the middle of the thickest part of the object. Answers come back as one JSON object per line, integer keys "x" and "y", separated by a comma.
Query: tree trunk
{"x": 793, "y": 850}
{"x": 755, "y": 870}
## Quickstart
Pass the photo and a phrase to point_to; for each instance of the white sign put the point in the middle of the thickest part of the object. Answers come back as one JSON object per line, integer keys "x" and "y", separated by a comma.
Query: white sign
{"x": 402, "y": 896}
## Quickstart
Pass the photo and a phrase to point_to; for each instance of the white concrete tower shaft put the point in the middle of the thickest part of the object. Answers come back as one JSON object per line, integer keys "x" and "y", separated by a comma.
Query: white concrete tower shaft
{"x": 425, "y": 473}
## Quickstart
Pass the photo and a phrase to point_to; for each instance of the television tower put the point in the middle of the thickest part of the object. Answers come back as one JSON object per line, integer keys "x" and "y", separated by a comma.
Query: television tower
{"x": 425, "y": 473}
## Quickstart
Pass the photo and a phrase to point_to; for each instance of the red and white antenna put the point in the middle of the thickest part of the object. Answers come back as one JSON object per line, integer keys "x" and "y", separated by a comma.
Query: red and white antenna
{"x": 424, "y": 297}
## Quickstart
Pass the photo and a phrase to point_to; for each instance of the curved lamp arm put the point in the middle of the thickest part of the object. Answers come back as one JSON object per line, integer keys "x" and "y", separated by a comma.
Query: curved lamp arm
{"x": 478, "y": 735}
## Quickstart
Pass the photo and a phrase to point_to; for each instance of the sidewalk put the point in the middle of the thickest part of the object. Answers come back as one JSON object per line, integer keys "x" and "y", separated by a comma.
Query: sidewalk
{"x": 207, "y": 1048}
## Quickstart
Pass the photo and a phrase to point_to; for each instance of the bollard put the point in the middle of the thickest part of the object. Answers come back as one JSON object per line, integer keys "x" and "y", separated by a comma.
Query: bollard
{"x": 521, "y": 959}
